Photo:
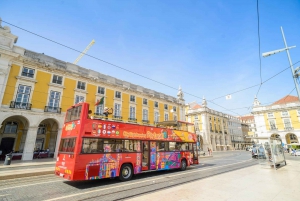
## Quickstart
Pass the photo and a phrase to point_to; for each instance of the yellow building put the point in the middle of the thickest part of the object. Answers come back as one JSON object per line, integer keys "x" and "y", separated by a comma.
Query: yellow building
{"x": 37, "y": 89}
{"x": 212, "y": 127}
{"x": 282, "y": 118}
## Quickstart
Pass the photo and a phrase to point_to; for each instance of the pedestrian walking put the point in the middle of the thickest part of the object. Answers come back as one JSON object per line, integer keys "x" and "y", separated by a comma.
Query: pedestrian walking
{"x": 208, "y": 151}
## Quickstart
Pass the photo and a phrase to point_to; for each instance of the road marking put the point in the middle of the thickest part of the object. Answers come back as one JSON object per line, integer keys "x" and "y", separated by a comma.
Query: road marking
{"x": 29, "y": 185}
{"x": 4, "y": 195}
{"x": 22, "y": 178}
{"x": 150, "y": 180}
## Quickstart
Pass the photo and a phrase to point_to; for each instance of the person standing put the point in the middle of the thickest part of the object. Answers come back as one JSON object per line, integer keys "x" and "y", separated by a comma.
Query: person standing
{"x": 208, "y": 150}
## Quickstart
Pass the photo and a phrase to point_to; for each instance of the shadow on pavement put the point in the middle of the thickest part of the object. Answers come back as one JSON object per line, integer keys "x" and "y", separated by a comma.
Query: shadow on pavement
{"x": 103, "y": 182}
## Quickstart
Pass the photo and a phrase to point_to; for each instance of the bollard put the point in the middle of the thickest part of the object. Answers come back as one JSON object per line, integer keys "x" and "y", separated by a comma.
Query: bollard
{"x": 8, "y": 159}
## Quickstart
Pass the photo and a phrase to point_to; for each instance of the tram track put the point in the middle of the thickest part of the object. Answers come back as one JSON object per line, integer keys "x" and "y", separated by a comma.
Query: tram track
{"x": 132, "y": 189}
{"x": 33, "y": 188}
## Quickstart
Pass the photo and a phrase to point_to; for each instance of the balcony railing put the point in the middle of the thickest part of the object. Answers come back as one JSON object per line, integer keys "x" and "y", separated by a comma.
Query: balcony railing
{"x": 99, "y": 115}
{"x": 117, "y": 118}
{"x": 145, "y": 121}
{"x": 52, "y": 109}
{"x": 288, "y": 128}
{"x": 133, "y": 120}
{"x": 20, "y": 105}
{"x": 274, "y": 129}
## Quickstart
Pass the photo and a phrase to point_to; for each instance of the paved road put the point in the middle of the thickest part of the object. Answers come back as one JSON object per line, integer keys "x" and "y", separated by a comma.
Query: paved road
{"x": 50, "y": 187}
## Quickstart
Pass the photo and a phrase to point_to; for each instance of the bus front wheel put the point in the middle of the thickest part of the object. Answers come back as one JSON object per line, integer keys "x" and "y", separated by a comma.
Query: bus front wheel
{"x": 126, "y": 172}
{"x": 183, "y": 165}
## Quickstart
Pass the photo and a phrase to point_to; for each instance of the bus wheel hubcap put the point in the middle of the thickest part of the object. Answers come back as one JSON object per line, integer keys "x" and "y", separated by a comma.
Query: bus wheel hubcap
{"x": 126, "y": 172}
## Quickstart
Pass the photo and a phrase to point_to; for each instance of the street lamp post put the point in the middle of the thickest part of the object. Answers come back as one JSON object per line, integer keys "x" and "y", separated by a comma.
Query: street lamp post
{"x": 294, "y": 72}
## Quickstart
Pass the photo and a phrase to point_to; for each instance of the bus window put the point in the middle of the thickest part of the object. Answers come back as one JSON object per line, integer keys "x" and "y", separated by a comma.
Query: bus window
{"x": 163, "y": 146}
{"x": 67, "y": 145}
{"x": 183, "y": 146}
{"x": 174, "y": 146}
{"x": 190, "y": 147}
{"x": 73, "y": 114}
{"x": 92, "y": 145}
{"x": 131, "y": 146}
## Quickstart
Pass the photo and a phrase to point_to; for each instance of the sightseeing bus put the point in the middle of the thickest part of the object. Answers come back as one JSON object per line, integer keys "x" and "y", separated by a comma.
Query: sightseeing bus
{"x": 95, "y": 148}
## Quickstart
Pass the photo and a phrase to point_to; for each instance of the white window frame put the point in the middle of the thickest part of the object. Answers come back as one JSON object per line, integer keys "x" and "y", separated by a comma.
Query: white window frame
{"x": 57, "y": 76}
{"x": 132, "y": 98}
{"x": 117, "y": 110}
{"x": 81, "y": 84}
{"x": 54, "y": 105}
{"x": 132, "y": 112}
{"x": 166, "y": 117}
{"x": 287, "y": 123}
{"x": 117, "y": 93}
{"x": 145, "y": 115}
{"x": 155, "y": 104}
{"x": 100, "y": 90}
{"x": 23, "y": 94}
{"x": 99, "y": 109}
{"x": 156, "y": 116}
{"x": 270, "y": 114}
{"x": 175, "y": 117}
{"x": 145, "y": 101}
{"x": 28, "y": 72}
{"x": 165, "y": 107}
{"x": 174, "y": 108}
{"x": 285, "y": 113}
{"x": 79, "y": 98}
{"x": 271, "y": 123}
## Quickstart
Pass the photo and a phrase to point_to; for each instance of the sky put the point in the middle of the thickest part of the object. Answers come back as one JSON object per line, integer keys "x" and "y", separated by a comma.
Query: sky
{"x": 209, "y": 48}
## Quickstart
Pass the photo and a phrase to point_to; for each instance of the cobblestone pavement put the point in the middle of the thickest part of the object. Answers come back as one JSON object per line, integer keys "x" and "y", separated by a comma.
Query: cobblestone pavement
{"x": 50, "y": 187}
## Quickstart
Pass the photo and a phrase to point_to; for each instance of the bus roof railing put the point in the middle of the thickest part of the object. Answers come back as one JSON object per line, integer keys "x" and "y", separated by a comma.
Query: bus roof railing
{"x": 172, "y": 123}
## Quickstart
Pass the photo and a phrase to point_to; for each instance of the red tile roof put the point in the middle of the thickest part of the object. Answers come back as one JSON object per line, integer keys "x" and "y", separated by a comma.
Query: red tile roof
{"x": 247, "y": 119}
{"x": 196, "y": 107}
{"x": 286, "y": 99}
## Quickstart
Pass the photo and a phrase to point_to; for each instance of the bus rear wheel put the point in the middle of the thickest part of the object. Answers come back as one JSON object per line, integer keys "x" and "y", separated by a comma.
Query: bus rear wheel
{"x": 183, "y": 165}
{"x": 126, "y": 172}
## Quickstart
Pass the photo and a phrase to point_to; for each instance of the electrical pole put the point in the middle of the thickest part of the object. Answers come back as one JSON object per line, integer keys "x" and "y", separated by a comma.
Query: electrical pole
{"x": 295, "y": 76}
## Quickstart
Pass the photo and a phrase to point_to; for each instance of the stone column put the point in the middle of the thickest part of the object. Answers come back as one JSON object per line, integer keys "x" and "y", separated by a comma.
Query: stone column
{"x": 213, "y": 143}
{"x": 29, "y": 143}
{"x": 57, "y": 142}
{"x": 206, "y": 136}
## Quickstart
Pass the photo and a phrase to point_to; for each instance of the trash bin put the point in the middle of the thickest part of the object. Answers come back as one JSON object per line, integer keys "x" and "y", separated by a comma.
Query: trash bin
{"x": 8, "y": 159}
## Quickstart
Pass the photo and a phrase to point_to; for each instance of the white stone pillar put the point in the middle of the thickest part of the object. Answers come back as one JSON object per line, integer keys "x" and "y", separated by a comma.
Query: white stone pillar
{"x": 29, "y": 143}
{"x": 4, "y": 72}
{"x": 57, "y": 142}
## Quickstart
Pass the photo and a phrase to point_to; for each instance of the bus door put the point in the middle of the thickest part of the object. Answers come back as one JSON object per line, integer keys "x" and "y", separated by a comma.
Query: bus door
{"x": 145, "y": 153}
{"x": 152, "y": 155}
{"x": 195, "y": 154}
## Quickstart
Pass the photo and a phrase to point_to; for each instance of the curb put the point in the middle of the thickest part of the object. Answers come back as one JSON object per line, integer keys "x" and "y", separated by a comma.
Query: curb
{"x": 206, "y": 156}
{"x": 15, "y": 176}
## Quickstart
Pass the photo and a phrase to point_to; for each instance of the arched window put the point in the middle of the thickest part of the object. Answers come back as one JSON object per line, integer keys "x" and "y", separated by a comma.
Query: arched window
{"x": 41, "y": 129}
{"x": 293, "y": 137}
{"x": 11, "y": 127}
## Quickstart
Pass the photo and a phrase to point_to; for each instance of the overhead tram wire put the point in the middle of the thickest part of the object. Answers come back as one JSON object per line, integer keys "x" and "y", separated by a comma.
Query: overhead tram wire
{"x": 258, "y": 34}
{"x": 96, "y": 58}
{"x": 256, "y": 84}
{"x": 104, "y": 61}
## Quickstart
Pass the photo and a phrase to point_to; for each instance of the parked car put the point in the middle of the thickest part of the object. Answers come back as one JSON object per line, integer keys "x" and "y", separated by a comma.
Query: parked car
{"x": 297, "y": 153}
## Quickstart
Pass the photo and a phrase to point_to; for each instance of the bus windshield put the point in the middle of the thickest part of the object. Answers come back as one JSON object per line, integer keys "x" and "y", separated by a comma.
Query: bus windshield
{"x": 67, "y": 145}
{"x": 73, "y": 114}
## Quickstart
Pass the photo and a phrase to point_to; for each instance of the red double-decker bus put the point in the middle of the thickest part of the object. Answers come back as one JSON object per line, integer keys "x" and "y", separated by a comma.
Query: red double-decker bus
{"x": 92, "y": 148}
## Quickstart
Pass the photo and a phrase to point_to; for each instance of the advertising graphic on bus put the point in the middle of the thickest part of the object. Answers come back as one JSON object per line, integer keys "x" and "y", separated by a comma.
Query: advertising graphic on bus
{"x": 92, "y": 148}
